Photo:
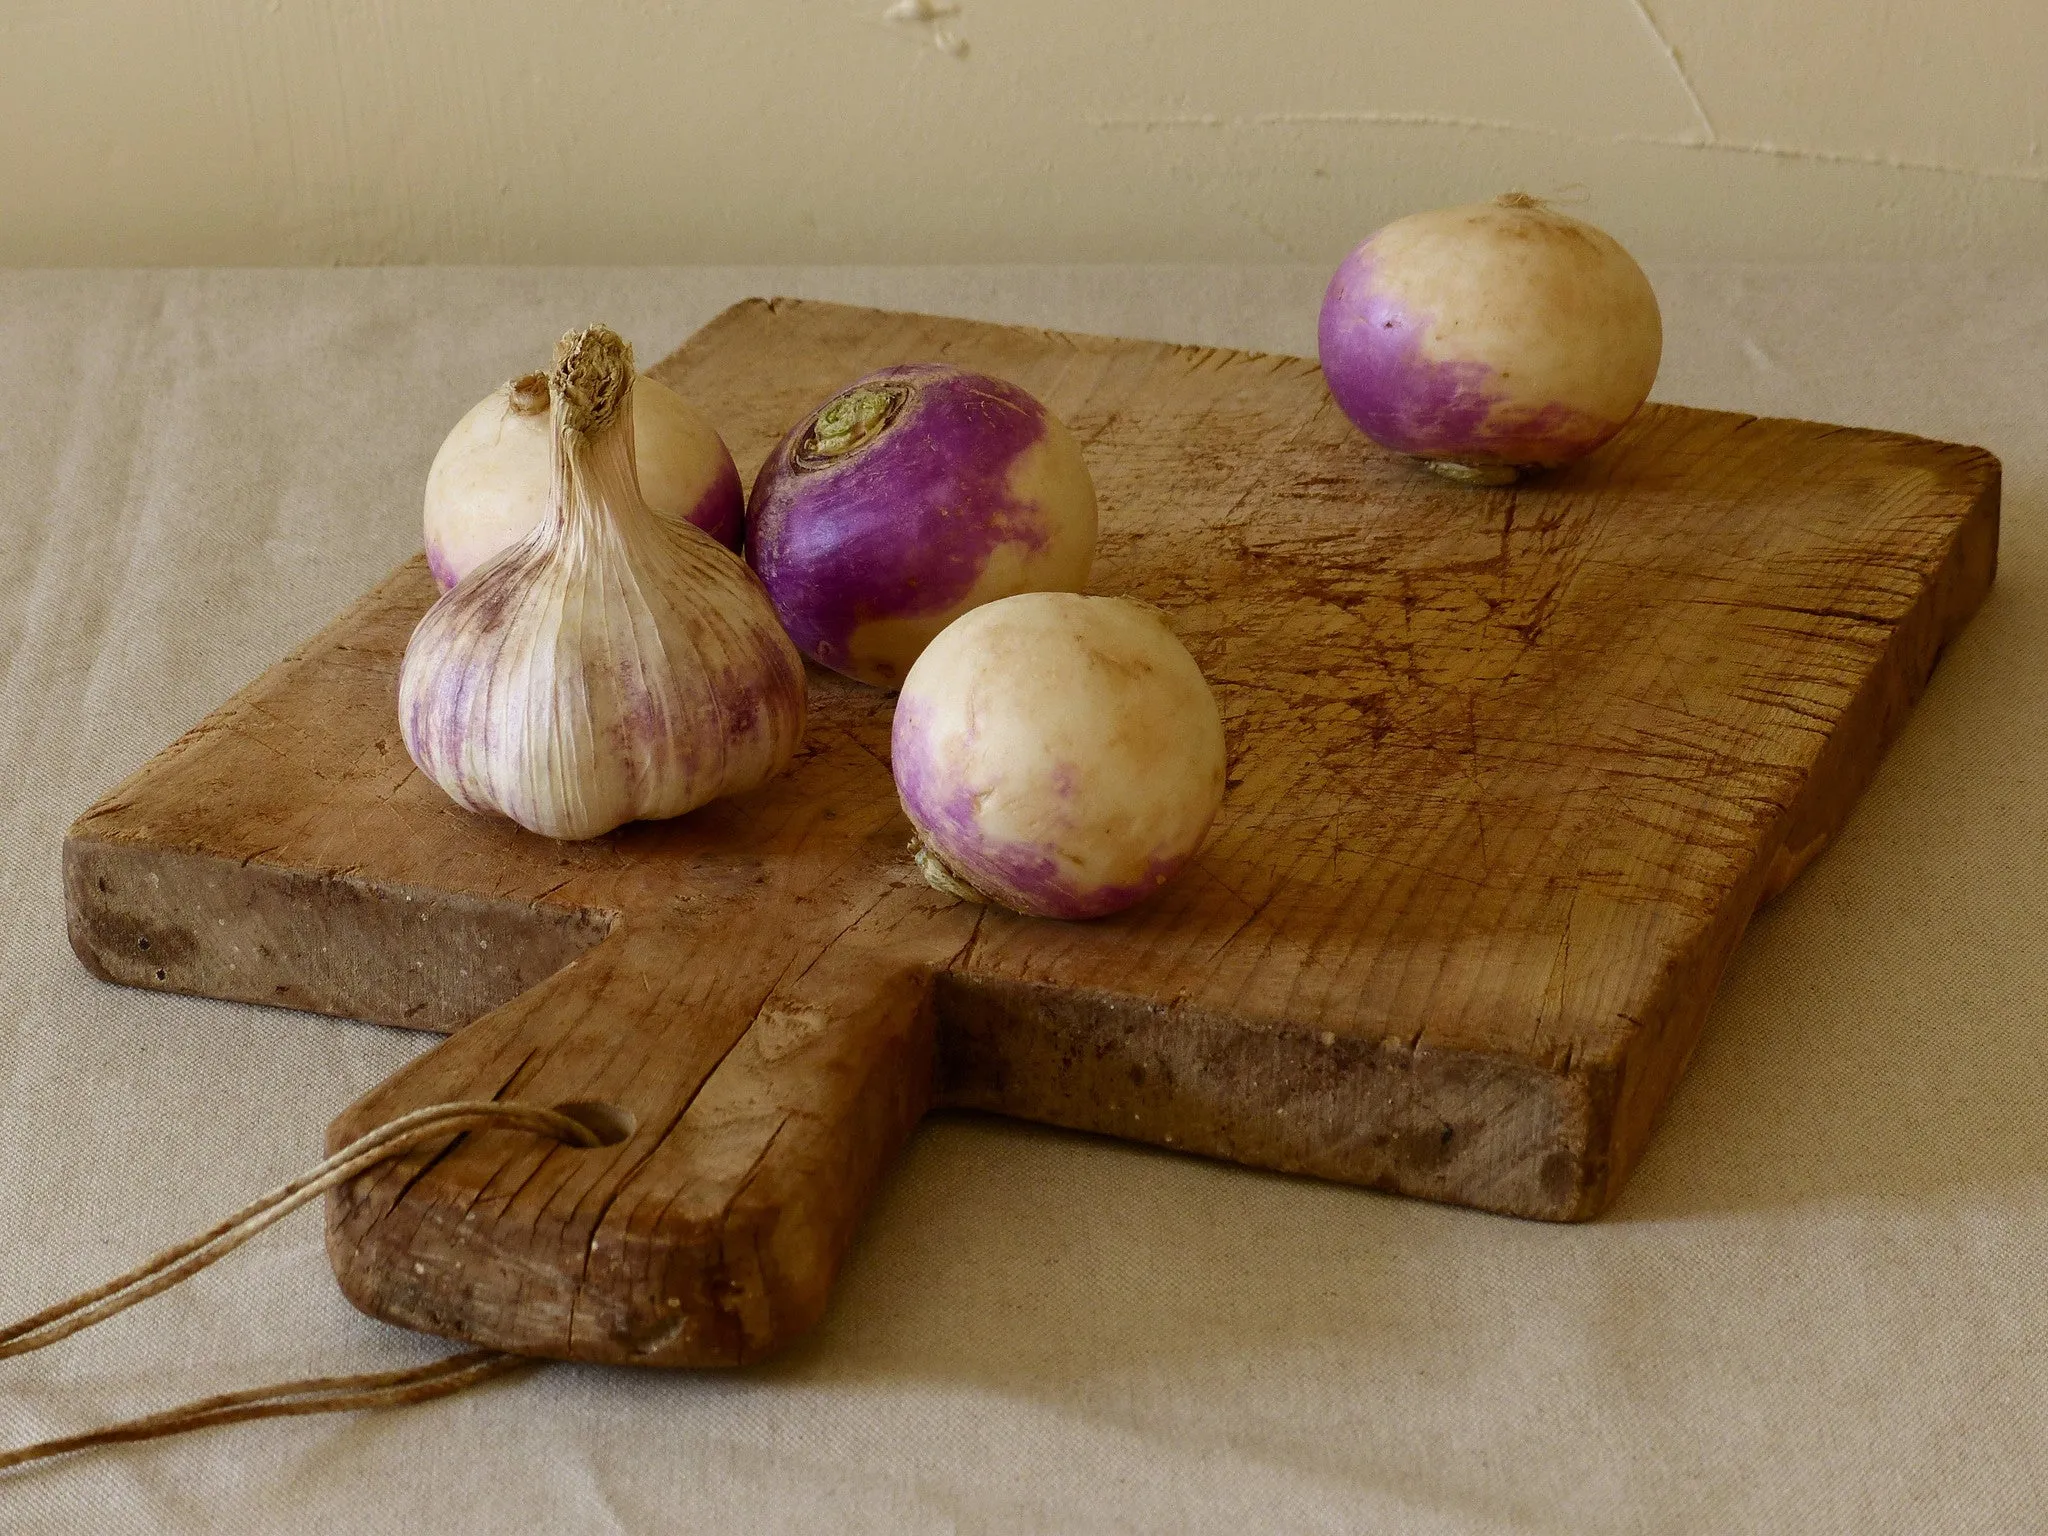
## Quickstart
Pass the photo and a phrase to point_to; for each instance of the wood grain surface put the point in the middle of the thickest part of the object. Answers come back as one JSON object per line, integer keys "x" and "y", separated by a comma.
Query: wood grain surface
{"x": 1510, "y": 770}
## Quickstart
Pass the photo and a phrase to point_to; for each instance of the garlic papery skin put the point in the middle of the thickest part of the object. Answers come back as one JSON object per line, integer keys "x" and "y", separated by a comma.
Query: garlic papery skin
{"x": 490, "y": 481}
{"x": 613, "y": 665}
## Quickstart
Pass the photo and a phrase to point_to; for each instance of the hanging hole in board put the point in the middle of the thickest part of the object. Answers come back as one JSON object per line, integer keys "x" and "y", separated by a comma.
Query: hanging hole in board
{"x": 609, "y": 1123}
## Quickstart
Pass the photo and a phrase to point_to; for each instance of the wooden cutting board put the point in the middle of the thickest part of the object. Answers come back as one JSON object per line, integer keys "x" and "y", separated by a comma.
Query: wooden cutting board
{"x": 1510, "y": 770}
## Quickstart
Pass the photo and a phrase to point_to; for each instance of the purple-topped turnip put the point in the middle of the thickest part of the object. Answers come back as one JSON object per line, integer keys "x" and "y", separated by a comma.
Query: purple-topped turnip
{"x": 1059, "y": 755}
{"x": 1489, "y": 339}
{"x": 908, "y": 498}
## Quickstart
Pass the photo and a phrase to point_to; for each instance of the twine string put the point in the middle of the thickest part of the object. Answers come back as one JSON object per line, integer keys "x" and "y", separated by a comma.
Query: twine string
{"x": 313, "y": 1394}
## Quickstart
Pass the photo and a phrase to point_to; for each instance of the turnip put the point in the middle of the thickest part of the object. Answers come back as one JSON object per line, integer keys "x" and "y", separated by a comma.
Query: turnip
{"x": 1058, "y": 755}
{"x": 491, "y": 482}
{"x": 1489, "y": 339}
{"x": 907, "y": 499}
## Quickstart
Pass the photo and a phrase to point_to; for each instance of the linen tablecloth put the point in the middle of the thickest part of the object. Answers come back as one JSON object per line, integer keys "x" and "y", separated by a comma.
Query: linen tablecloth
{"x": 1822, "y": 1304}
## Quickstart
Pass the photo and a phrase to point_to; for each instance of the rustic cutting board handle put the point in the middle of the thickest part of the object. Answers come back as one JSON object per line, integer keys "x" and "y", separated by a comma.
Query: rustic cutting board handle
{"x": 751, "y": 1133}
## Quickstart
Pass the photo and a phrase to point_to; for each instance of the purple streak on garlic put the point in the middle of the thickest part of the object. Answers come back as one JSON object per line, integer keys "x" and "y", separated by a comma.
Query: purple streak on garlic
{"x": 1489, "y": 338}
{"x": 911, "y": 496}
{"x": 489, "y": 484}
{"x": 1058, "y": 755}
{"x": 613, "y": 664}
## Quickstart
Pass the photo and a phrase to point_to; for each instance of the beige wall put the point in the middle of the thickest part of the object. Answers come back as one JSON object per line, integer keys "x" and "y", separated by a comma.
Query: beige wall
{"x": 287, "y": 131}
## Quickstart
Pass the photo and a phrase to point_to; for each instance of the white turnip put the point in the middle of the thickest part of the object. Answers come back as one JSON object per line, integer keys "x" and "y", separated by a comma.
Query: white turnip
{"x": 1059, "y": 755}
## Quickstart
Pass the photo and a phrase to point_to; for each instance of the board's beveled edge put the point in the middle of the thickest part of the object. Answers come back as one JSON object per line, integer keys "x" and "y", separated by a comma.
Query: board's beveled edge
{"x": 1464, "y": 1127}
{"x": 129, "y": 906}
{"x": 1655, "y": 1052}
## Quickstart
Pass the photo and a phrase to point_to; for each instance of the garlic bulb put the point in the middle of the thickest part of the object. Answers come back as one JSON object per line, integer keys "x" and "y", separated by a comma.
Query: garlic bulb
{"x": 613, "y": 664}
